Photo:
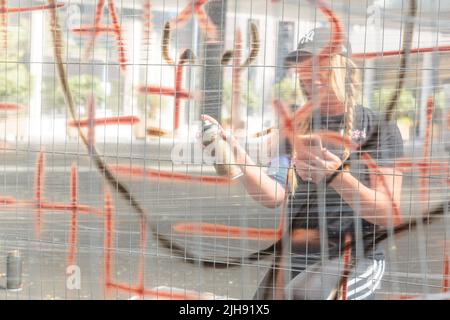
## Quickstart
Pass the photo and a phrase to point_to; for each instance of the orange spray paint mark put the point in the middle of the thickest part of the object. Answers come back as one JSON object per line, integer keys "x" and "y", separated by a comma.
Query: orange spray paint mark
{"x": 164, "y": 91}
{"x": 347, "y": 257}
{"x": 4, "y": 10}
{"x": 4, "y": 23}
{"x": 73, "y": 221}
{"x": 236, "y": 80}
{"x": 38, "y": 191}
{"x": 147, "y": 21}
{"x": 178, "y": 88}
{"x": 10, "y": 106}
{"x": 97, "y": 18}
{"x": 118, "y": 34}
{"x": 90, "y": 124}
{"x": 139, "y": 172}
{"x": 370, "y": 55}
{"x": 446, "y": 270}
{"x": 90, "y": 30}
{"x": 118, "y": 120}
{"x": 97, "y": 28}
{"x": 109, "y": 225}
{"x": 32, "y": 8}
{"x": 205, "y": 24}
{"x": 425, "y": 173}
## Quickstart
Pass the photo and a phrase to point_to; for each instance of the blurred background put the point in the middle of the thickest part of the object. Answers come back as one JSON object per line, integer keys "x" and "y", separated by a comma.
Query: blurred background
{"x": 137, "y": 108}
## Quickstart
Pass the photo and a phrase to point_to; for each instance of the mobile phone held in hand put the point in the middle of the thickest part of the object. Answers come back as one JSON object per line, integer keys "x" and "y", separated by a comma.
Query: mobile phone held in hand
{"x": 308, "y": 144}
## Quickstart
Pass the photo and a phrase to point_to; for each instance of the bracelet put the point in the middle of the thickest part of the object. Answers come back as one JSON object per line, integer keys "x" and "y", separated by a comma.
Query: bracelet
{"x": 335, "y": 174}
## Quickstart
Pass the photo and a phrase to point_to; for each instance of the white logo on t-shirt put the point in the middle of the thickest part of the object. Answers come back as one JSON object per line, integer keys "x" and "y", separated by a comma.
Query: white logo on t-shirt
{"x": 307, "y": 37}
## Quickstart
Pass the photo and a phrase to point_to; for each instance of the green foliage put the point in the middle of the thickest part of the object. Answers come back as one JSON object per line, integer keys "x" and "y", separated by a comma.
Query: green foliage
{"x": 14, "y": 84}
{"x": 152, "y": 106}
{"x": 82, "y": 87}
{"x": 288, "y": 91}
{"x": 249, "y": 98}
{"x": 406, "y": 102}
{"x": 15, "y": 79}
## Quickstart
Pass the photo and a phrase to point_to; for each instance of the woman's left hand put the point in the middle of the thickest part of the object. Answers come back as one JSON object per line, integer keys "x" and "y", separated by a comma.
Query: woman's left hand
{"x": 316, "y": 165}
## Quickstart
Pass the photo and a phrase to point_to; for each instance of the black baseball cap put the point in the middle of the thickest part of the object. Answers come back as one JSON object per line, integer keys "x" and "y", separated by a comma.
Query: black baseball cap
{"x": 312, "y": 43}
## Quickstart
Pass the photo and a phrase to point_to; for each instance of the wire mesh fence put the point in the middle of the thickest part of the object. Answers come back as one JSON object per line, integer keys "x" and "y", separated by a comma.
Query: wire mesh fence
{"x": 224, "y": 149}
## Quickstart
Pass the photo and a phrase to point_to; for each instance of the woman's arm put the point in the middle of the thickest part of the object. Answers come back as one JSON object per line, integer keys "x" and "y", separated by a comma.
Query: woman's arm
{"x": 258, "y": 184}
{"x": 373, "y": 205}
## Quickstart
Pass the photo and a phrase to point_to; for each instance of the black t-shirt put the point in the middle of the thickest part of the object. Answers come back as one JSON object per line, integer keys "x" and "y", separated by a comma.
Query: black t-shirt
{"x": 382, "y": 141}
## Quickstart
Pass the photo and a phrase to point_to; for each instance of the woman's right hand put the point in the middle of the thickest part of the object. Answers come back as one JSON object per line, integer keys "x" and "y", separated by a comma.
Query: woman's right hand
{"x": 222, "y": 132}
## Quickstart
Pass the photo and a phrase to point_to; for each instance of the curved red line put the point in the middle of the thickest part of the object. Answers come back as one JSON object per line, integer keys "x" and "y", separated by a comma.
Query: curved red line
{"x": 168, "y": 175}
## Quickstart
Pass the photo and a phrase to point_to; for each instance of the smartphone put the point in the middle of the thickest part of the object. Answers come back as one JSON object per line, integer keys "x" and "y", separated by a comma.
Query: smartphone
{"x": 310, "y": 143}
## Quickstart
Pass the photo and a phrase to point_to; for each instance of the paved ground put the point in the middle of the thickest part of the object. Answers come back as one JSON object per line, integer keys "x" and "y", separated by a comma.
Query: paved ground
{"x": 166, "y": 203}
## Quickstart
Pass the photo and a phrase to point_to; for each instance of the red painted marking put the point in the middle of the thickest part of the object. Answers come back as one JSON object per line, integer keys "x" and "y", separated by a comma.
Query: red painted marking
{"x": 73, "y": 222}
{"x": 448, "y": 120}
{"x": 205, "y": 24}
{"x": 10, "y": 106}
{"x": 369, "y": 55}
{"x": 347, "y": 256}
{"x": 7, "y": 201}
{"x": 177, "y": 102}
{"x": 91, "y": 124}
{"x": 424, "y": 179}
{"x": 109, "y": 225}
{"x": 33, "y": 8}
{"x": 336, "y": 30}
{"x": 90, "y": 30}
{"x": 285, "y": 116}
{"x": 97, "y": 19}
{"x": 55, "y": 206}
{"x": 164, "y": 91}
{"x": 39, "y": 186}
{"x": 236, "y": 80}
{"x": 115, "y": 28}
{"x": 408, "y": 164}
{"x": 430, "y": 108}
{"x": 139, "y": 172}
{"x": 147, "y": 21}
{"x": 152, "y": 293}
{"x": 118, "y": 120}
{"x": 224, "y": 231}
{"x": 4, "y": 23}
{"x": 446, "y": 270}
{"x": 108, "y": 255}
{"x": 182, "y": 18}
{"x": 47, "y": 206}
{"x": 118, "y": 33}
{"x": 445, "y": 284}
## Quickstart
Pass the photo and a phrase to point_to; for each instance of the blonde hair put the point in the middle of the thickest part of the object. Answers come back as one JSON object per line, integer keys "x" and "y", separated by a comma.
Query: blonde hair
{"x": 346, "y": 84}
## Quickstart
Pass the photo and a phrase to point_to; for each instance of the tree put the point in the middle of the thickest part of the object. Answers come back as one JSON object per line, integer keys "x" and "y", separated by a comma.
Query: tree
{"x": 82, "y": 86}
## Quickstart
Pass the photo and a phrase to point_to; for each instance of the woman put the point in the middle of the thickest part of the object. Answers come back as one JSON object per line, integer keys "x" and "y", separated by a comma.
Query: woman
{"x": 331, "y": 189}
